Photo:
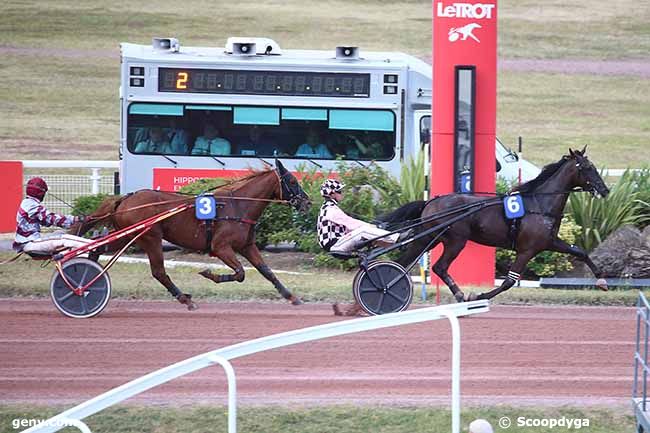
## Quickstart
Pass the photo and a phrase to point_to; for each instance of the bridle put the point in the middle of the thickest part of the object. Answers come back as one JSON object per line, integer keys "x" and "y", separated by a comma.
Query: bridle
{"x": 589, "y": 186}
{"x": 294, "y": 199}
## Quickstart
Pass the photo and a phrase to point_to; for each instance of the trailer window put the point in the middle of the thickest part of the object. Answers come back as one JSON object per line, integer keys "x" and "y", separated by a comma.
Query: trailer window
{"x": 246, "y": 131}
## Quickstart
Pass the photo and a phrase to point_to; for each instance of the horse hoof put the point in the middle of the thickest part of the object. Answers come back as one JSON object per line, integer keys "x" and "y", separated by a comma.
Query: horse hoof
{"x": 460, "y": 297}
{"x": 186, "y": 299}
{"x": 601, "y": 283}
{"x": 337, "y": 310}
{"x": 296, "y": 301}
{"x": 471, "y": 297}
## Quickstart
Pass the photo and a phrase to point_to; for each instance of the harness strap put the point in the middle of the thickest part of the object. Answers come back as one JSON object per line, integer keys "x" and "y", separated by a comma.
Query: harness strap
{"x": 237, "y": 219}
{"x": 208, "y": 236}
{"x": 513, "y": 232}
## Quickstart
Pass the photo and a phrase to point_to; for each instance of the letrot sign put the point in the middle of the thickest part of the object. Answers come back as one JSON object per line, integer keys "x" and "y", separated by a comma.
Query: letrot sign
{"x": 464, "y": 115}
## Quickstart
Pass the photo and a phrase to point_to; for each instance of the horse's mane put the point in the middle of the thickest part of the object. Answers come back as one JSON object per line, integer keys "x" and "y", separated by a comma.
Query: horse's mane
{"x": 235, "y": 183}
{"x": 548, "y": 171}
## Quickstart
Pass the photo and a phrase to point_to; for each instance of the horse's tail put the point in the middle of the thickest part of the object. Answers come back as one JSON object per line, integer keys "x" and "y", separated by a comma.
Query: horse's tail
{"x": 103, "y": 214}
{"x": 409, "y": 211}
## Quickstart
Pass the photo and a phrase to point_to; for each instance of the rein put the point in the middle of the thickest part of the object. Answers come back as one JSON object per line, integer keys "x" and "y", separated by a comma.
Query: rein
{"x": 487, "y": 202}
{"x": 160, "y": 203}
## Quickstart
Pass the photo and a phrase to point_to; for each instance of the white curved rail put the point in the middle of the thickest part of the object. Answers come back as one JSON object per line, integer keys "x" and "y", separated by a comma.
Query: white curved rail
{"x": 224, "y": 355}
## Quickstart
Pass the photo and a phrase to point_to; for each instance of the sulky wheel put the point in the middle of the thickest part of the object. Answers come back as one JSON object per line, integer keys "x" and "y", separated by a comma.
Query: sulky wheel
{"x": 384, "y": 288}
{"x": 79, "y": 272}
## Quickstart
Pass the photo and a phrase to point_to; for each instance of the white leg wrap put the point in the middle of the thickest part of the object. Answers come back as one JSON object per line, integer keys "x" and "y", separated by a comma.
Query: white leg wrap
{"x": 514, "y": 276}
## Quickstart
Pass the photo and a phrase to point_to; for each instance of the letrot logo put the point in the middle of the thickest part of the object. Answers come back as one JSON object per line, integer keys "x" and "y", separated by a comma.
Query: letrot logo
{"x": 476, "y": 11}
{"x": 464, "y": 32}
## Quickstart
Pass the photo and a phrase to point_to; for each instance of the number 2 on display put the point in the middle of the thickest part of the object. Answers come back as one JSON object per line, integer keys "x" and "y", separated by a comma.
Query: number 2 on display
{"x": 181, "y": 81}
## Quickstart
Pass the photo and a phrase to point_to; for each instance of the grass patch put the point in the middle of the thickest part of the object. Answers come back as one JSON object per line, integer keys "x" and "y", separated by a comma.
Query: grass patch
{"x": 554, "y": 112}
{"x": 344, "y": 419}
{"x": 135, "y": 281}
{"x": 579, "y": 29}
{"x": 555, "y": 29}
{"x": 95, "y": 24}
{"x": 61, "y": 100}
{"x": 71, "y": 106}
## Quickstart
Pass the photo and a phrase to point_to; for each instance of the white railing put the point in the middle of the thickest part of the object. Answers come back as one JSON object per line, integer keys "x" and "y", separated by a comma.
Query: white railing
{"x": 225, "y": 355}
{"x": 64, "y": 189}
{"x": 616, "y": 172}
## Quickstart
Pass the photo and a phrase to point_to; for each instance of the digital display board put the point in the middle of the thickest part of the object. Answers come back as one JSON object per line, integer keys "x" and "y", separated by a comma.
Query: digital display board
{"x": 227, "y": 81}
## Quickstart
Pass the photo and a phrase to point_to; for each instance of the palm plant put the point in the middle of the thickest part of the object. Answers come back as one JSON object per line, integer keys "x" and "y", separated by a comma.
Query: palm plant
{"x": 413, "y": 179}
{"x": 599, "y": 217}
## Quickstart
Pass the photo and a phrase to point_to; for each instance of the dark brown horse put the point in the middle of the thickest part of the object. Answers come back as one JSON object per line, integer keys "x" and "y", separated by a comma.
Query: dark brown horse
{"x": 232, "y": 232}
{"x": 544, "y": 200}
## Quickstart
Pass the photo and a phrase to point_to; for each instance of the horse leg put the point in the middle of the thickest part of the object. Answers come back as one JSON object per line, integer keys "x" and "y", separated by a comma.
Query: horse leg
{"x": 252, "y": 254}
{"x": 514, "y": 275}
{"x": 153, "y": 248}
{"x": 227, "y": 255}
{"x": 452, "y": 247}
{"x": 560, "y": 246}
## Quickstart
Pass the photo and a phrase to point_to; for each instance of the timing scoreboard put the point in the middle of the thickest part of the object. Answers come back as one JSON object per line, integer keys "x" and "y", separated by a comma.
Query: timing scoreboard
{"x": 257, "y": 82}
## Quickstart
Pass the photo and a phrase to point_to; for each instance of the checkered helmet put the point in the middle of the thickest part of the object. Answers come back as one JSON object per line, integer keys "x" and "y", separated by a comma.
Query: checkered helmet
{"x": 330, "y": 186}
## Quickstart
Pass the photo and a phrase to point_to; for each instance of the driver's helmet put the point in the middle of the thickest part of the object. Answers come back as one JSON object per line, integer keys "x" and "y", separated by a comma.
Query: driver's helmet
{"x": 330, "y": 186}
{"x": 36, "y": 187}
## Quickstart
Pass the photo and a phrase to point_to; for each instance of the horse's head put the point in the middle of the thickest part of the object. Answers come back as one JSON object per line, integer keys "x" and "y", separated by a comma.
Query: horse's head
{"x": 291, "y": 190}
{"x": 587, "y": 175}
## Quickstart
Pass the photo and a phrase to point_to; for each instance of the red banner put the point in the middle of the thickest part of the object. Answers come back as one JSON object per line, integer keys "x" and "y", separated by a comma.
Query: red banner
{"x": 11, "y": 179}
{"x": 173, "y": 179}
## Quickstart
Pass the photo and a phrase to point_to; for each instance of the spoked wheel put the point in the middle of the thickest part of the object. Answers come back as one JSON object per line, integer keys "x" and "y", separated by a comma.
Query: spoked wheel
{"x": 79, "y": 272}
{"x": 384, "y": 288}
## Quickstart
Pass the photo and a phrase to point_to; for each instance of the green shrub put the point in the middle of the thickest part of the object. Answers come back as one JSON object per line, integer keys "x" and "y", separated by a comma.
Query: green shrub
{"x": 203, "y": 185}
{"x": 276, "y": 220}
{"x": 87, "y": 204}
{"x": 599, "y": 217}
{"x": 324, "y": 260}
{"x": 369, "y": 191}
{"x": 641, "y": 182}
{"x": 504, "y": 185}
{"x": 412, "y": 179}
{"x": 360, "y": 183}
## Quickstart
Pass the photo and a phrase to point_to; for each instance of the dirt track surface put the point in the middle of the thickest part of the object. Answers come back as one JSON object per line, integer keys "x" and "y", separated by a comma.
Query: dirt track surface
{"x": 517, "y": 355}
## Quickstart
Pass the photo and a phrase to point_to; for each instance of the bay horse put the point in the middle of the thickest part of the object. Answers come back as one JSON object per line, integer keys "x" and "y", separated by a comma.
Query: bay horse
{"x": 233, "y": 231}
{"x": 544, "y": 200}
